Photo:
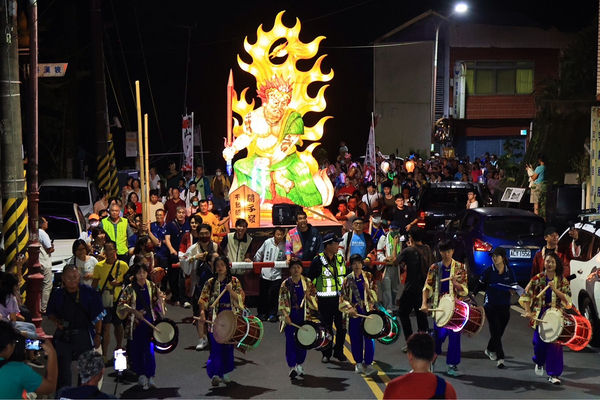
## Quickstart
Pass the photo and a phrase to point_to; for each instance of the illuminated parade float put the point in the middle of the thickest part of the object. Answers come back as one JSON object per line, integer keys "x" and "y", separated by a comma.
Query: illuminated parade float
{"x": 275, "y": 171}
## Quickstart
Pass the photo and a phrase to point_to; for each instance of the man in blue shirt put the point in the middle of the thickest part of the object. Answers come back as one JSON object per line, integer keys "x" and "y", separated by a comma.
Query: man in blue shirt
{"x": 16, "y": 376}
{"x": 356, "y": 241}
{"x": 536, "y": 182}
{"x": 173, "y": 235}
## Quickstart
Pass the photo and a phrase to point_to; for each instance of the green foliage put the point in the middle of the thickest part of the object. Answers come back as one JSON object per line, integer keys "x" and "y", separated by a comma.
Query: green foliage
{"x": 562, "y": 122}
{"x": 513, "y": 151}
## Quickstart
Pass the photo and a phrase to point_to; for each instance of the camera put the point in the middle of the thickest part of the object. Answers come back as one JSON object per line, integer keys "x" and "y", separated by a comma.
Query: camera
{"x": 31, "y": 344}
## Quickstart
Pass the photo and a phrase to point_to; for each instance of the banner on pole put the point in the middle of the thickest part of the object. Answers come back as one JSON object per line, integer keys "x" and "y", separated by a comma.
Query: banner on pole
{"x": 595, "y": 157}
{"x": 370, "y": 161}
{"x": 187, "y": 138}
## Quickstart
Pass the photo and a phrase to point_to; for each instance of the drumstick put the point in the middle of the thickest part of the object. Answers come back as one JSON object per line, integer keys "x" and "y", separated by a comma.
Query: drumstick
{"x": 205, "y": 320}
{"x": 434, "y": 309}
{"x": 218, "y": 298}
{"x": 302, "y": 302}
{"x": 364, "y": 316}
{"x": 543, "y": 291}
{"x": 535, "y": 319}
{"x": 143, "y": 319}
{"x": 445, "y": 279}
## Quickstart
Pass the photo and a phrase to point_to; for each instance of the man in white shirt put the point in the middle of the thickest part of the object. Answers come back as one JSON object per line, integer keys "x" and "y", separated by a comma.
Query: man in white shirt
{"x": 154, "y": 205}
{"x": 154, "y": 178}
{"x": 273, "y": 249}
{"x": 372, "y": 198}
{"x": 46, "y": 249}
{"x": 471, "y": 200}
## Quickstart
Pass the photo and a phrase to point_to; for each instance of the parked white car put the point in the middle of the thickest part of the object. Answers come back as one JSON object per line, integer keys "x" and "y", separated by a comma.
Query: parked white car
{"x": 66, "y": 223}
{"x": 585, "y": 286}
{"x": 80, "y": 191}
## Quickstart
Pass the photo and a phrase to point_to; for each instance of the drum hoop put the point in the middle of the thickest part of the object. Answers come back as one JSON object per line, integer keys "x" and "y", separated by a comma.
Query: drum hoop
{"x": 450, "y": 311}
{"x": 468, "y": 314}
{"x": 312, "y": 330}
{"x": 553, "y": 312}
{"x": 367, "y": 321}
{"x": 170, "y": 324}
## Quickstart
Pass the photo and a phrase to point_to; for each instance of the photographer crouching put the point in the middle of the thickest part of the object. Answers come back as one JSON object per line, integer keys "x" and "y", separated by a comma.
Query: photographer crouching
{"x": 15, "y": 375}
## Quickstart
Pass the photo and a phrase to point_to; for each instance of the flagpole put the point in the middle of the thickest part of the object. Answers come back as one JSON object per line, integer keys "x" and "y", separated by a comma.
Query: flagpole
{"x": 374, "y": 155}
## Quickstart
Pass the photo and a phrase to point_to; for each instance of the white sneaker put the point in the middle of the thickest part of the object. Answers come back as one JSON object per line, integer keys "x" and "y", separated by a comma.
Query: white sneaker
{"x": 300, "y": 370}
{"x": 500, "y": 364}
{"x": 359, "y": 369}
{"x": 492, "y": 356}
{"x": 554, "y": 380}
{"x": 143, "y": 382}
{"x": 151, "y": 382}
{"x": 215, "y": 381}
{"x": 187, "y": 305}
{"x": 226, "y": 378}
{"x": 293, "y": 373}
{"x": 370, "y": 371}
{"x": 202, "y": 343}
{"x": 539, "y": 370}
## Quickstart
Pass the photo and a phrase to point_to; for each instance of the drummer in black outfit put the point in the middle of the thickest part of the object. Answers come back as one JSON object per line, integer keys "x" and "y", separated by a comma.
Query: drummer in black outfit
{"x": 497, "y": 281}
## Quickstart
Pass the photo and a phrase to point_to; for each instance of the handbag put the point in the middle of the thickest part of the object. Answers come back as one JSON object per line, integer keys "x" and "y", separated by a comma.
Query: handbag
{"x": 107, "y": 294}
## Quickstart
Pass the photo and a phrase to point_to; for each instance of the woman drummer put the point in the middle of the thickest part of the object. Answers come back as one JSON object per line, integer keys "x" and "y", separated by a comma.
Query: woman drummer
{"x": 141, "y": 299}
{"x": 297, "y": 303}
{"x": 359, "y": 297}
{"x": 557, "y": 295}
{"x": 220, "y": 360}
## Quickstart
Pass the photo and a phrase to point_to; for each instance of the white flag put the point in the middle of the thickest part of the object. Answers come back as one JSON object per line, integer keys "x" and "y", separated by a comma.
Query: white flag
{"x": 369, "y": 166}
{"x": 187, "y": 138}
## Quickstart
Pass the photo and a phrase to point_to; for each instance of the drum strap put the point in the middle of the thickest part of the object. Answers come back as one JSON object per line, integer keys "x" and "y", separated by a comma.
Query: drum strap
{"x": 440, "y": 388}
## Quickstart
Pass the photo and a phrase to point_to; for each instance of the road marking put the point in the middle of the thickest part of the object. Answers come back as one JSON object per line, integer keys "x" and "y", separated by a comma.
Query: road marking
{"x": 373, "y": 385}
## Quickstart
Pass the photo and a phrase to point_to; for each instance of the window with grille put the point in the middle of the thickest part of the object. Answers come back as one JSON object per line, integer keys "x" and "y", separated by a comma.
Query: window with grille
{"x": 499, "y": 77}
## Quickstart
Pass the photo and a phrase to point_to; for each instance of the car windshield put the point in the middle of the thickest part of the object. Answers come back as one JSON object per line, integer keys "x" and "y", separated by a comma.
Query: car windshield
{"x": 62, "y": 227}
{"x": 513, "y": 228}
{"x": 70, "y": 194}
{"x": 444, "y": 198}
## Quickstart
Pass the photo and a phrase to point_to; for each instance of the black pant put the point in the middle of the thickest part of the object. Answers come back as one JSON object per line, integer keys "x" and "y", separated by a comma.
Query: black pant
{"x": 497, "y": 316}
{"x": 268, "y": 297}
{"x": 173, "y": 278}
{"x": 330, "y": 314}
{"x": 408, "y": 302}
{"x": 69, "y": 346}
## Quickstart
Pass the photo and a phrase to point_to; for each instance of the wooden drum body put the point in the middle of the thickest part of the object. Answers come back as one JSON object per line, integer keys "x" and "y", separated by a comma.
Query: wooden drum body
{"x": 571, "y": 330}
{"x": 312, "y": 335}
{"x": 458, "y": 315}
{"x": 166, "y": 336}
{"x": 245, "y": 332}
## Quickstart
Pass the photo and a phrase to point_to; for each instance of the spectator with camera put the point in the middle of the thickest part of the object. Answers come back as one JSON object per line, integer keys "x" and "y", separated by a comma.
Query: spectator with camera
{"x": 91, "y": 370}
{"x": 76, "y": 310}
{"x": 15, "y": 375}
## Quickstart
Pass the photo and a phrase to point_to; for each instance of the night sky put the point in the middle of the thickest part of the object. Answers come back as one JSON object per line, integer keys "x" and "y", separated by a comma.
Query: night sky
{"x": 148, "y": 41}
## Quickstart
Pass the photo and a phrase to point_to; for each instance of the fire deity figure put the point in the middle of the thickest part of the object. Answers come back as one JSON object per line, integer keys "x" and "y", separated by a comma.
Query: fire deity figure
{"x": 271, "y": 133}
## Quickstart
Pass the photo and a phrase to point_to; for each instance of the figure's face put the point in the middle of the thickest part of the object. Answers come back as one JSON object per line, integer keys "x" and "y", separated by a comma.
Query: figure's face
{"x": 193, "y": 224}
{"x": 277, "y": 102}
{"x": 342, "y": 207}
{"x": 295, "y": 270}
{"x": 302, "y": 221}
{"x": 551, "y": 240}
{"x": 278, "y": 236}
{"x": 141, "y": 275}
{"x": 357, "y": 267}
{"x": 400, "y": 203}
{"x": 180, "y": 215}
{"x": 114, "y": 211}
{"x": 204, "y": 207}
{"x": 550, "y": 264}
{"x": 160, "y": 217}
{"x": 352, "y": 204}
{"x": 71, "y": 280}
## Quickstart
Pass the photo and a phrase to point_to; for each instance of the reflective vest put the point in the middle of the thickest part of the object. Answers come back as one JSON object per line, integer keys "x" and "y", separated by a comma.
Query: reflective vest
{"x": 326, "y": 283}
{"x": 120, "y": 238}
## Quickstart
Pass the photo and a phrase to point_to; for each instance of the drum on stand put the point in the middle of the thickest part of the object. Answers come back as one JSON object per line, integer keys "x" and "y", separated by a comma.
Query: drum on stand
{"x": 165, "y": 336}
{"x": 244, "y": 331}
{"x": 312, "y": 335}
{"x": 571, "y": 330}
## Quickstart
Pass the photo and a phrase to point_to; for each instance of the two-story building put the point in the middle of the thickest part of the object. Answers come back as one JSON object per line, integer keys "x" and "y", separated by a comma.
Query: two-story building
{"x": 485, "y": 82}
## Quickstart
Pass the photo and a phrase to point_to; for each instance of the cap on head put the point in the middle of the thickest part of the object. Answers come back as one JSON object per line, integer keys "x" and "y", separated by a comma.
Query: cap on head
{"x": 94, "y": 216}
{"x": 331, "y": 238}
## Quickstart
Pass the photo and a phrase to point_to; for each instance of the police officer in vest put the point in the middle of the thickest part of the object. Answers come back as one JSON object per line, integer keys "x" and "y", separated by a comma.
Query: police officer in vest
{"x": 327, "y": 271}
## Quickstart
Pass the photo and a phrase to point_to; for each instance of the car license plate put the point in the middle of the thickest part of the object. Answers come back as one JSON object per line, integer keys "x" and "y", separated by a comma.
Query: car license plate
{"x": 520, "y": 253}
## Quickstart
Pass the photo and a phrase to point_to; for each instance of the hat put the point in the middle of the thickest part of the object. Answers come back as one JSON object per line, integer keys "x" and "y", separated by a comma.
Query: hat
{"x": 94, "y": 216}
{"x": 90, "y": 364}
{"x": 550, "y": 230}
{"x": 394, "y": 225}
{"x": 498, "y": 251}
{"x": 330, "y": 238}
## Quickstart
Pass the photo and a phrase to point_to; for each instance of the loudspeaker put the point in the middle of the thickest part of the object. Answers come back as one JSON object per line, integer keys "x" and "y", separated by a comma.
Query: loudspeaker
{"x": 285, "y": 214}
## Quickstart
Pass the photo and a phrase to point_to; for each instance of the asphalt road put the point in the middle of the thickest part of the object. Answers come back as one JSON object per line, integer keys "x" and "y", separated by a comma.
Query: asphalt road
{"x": 263, "y": 373}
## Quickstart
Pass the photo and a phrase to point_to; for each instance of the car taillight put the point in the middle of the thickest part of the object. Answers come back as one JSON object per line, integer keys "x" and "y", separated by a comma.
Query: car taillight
{"x": 421, "y": 220}
{"x": 480, "y": 245}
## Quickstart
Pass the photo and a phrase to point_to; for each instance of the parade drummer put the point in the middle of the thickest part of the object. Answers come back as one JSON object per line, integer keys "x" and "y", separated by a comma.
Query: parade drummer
{"x": 297, "y": 303}
{"x": 557, "y": 295}
{"x": 141, "y": 299}
{"x": 446, "y": 277}
{"x": 359, "y": 297}
{"x": 220, "y": 361}
{"x": 327, "y": 271}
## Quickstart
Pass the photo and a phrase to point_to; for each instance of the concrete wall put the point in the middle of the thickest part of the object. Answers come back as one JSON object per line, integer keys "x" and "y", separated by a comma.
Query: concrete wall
{"x": 403, "y": 79}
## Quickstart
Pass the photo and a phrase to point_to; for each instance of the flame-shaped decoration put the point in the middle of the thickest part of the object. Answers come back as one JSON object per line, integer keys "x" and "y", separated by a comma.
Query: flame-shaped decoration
{"x": 263, "y": 69}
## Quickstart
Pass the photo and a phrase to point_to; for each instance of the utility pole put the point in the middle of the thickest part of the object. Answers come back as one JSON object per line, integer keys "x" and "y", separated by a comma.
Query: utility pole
{"x": 35, "y": 276}
{"x": 14, "y": 202}
{"x": 101, "y": 116}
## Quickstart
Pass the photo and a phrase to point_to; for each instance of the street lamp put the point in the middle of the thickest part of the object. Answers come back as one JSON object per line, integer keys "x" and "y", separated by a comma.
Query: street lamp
{"x": 459, "y": 8}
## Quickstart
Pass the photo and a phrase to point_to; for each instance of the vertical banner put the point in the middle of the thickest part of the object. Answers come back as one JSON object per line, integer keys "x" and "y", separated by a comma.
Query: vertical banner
{"x": 187, "y": 138}
{"x": 245, "y": 204}
{"x": 370, "y": 162}
{"x": 595, "y": 158}
{"x": 131, "y": 144}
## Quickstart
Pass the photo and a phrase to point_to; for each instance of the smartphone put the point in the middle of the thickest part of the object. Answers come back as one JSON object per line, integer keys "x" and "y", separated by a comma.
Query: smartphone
{"x": 31, "y": 344}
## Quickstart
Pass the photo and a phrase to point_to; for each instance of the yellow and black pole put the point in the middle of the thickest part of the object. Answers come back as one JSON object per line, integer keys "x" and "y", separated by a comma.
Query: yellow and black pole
{"x": 14, "y": 201}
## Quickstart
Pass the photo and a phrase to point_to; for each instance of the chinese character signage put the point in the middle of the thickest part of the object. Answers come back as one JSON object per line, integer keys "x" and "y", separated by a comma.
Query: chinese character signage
{"x": 245, "y": 204}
